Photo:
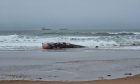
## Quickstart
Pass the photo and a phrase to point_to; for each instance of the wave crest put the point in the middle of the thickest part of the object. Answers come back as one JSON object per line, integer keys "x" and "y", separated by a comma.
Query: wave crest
{"x": 103, "y": 40}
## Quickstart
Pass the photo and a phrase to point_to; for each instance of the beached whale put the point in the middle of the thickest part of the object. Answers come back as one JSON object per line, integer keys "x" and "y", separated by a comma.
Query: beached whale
{"x": 60, "y": 45}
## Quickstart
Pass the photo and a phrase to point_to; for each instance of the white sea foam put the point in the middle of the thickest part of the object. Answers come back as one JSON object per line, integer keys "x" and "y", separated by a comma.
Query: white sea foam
{"x": 24, "y": 41}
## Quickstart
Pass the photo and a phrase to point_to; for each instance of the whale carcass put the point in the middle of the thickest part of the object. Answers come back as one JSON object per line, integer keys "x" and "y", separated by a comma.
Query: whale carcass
{"x": 60, "y": 45}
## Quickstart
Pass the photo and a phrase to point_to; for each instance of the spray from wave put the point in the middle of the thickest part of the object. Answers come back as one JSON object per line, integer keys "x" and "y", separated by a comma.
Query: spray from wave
{"x": 104, "y": 40}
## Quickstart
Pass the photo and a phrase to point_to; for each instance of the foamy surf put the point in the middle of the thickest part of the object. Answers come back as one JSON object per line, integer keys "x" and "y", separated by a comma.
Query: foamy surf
{"x": 104, "y": 40}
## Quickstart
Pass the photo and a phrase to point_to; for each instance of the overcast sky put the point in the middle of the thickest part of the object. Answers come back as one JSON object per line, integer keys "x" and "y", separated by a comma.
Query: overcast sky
{"x": 19, "y": 14}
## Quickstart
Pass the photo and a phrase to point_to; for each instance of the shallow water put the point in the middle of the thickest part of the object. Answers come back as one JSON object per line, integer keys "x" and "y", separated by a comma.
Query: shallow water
{"x": 68, "y": 64}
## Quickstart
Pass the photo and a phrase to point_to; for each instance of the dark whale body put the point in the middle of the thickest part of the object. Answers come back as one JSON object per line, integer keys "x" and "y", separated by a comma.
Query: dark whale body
{"x": 59, "y": 45}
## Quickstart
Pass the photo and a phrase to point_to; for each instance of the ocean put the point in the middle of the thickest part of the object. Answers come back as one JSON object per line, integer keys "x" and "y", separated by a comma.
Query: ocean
{"x": 33, "y": 39}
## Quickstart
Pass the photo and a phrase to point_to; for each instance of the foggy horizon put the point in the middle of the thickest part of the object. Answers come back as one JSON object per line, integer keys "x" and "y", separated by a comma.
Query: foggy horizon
{"x": 69, "y": 14}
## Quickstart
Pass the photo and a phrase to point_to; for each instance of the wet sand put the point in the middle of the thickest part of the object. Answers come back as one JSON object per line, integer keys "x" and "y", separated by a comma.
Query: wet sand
{"x": 71, "y": 65}
{"x": 127, "y": 80}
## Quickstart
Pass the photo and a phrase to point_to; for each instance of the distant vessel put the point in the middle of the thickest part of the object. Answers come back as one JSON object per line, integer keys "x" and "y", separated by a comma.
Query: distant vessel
{"x": 43, "y": 28}
{"x": 63, "y": 29}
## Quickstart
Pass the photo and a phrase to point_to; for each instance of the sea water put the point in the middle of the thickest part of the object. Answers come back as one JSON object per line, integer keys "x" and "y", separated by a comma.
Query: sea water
{"x": 14, "y": 40}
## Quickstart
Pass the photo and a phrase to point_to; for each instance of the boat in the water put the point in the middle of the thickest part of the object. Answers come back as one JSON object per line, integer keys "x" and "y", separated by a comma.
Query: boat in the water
{"x": 60, "y": 45}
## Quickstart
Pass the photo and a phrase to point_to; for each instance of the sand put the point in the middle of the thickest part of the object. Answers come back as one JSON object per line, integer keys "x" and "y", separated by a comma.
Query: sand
{"x": 127, "y": 80}
{"x": 20, "y": 66}
{"x": 68, "y": 65}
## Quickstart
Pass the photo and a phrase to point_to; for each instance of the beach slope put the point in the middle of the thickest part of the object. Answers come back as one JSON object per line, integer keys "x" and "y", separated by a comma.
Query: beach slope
{"x": 127, "y": 80}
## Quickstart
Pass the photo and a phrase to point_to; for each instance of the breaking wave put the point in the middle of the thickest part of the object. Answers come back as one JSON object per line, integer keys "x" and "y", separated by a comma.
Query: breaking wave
{"x": 106, "y": 40}
{"x": 92, "y": 33}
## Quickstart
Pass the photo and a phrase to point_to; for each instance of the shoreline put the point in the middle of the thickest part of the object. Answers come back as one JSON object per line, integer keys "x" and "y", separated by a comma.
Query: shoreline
{"x": 127, "y": 80}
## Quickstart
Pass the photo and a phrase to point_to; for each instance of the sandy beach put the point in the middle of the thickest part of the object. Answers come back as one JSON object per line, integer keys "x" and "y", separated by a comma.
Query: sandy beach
{"x": 127, "y": 80}
{"x": 71, "y": 65}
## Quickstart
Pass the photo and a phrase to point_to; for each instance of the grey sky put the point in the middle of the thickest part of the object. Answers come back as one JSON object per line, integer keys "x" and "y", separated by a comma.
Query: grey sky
{"x": 70, "y": 13}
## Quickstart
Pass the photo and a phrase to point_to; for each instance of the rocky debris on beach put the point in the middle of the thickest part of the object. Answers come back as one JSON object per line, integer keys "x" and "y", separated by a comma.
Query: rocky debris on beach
{"x": 108, "y": 75}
